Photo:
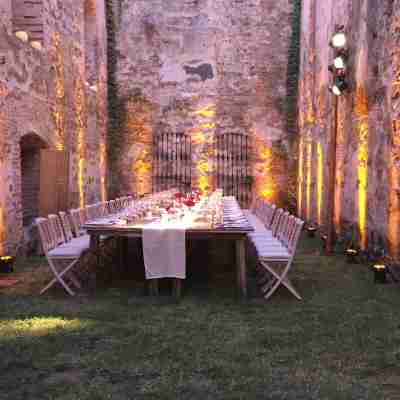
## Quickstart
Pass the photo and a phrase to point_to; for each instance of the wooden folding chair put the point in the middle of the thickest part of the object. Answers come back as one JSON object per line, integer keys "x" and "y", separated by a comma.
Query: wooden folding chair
{"x": 112, "y": 207}
{"x": 90, "y": 211}
{"x": 66, "y": 224}
{"x": 56, "y": 229}
{"x": 271, "y": 258}
{"x": 82, "y": 240}
{"x": 76, "y": 220}
{"x": 103, "y": 209}
{"x": 61, "y": 258}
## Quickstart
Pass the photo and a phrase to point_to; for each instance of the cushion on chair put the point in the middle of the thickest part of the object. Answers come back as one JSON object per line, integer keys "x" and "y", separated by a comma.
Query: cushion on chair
{"x": 255, "y": 222}
{"x": 272, "y": 254}
{"x": 73, "y": 248}
{"x": 81, "y": 241}
{"x": 65, "y": 251}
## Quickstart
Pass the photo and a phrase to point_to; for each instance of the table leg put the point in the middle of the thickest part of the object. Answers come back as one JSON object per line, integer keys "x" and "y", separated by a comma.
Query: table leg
{"x": 153, "y": 287}
{"x": 177, "y": 288}
{"x": 95, "y": 249}
{"x": 241, "y": 266}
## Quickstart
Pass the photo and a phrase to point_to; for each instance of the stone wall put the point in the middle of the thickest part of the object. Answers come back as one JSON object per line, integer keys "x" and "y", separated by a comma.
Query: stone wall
{"x": 367, "y": 178}
{"x": 44, "y": 93}
{"x": 205, "y": 68}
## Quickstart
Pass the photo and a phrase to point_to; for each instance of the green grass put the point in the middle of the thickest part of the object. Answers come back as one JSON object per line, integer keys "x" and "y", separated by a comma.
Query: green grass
{"x": 341, "y": 342}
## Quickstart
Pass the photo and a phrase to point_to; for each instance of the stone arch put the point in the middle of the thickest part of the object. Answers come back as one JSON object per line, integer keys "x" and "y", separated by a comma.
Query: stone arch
{"x": 30, "y": 146}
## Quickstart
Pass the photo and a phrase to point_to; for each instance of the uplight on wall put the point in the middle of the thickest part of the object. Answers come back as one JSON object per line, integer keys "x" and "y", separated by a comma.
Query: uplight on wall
{"x": 36, "y": 44}
{"x": 339, "y": 39}
{"x": 338, "y": 68}
{"x": 22, "y": 35}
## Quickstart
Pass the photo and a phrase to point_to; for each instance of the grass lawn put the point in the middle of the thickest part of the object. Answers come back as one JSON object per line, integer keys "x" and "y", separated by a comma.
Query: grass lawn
{"x": 341, "y": 342}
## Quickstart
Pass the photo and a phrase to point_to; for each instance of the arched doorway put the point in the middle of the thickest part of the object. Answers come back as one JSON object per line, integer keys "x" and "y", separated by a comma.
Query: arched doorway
{"x": 31, "y": 145}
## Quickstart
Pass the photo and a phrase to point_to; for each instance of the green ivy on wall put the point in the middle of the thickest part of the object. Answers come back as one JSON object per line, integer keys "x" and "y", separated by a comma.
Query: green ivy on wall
{"x": 114, "y": 104}
{"x": 293, "y": 68}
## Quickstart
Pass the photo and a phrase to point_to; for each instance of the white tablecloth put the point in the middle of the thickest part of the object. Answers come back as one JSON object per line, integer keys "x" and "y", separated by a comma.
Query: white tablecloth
{"x": 164, "y": 250}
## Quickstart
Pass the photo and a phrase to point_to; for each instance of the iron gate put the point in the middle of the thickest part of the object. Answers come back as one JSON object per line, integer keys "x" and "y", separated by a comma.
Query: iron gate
{"x": 172, "y": 155}
{"x": 233, "y": 168}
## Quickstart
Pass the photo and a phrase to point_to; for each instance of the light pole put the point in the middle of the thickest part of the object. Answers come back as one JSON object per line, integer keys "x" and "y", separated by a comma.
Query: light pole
{"x": 339, "y": 85}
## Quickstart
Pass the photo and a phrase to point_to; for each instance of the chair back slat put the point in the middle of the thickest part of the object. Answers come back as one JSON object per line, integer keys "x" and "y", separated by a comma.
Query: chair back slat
{"x": 295, "y": 235}
{"x": 66, "y": 224}
{"x": 270, "y": 216}
{"x": 56, "y": 229}
{"x": 89, "y": 211}
{"x": 76, "y": 222}
{"x": 276, "y": 220}
{"x": 283, "y": 222}
{"x": 288, "y": 231}
{"x": 45, "y": 234}
{"x": 83, "y": 217}
{"x": 99, "y": 210}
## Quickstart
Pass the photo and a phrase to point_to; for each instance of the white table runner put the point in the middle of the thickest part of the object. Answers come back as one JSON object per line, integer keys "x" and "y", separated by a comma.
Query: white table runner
{"x": 164, "y": 250}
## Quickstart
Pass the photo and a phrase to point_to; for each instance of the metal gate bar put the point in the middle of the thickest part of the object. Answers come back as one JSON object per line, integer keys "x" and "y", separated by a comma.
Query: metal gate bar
{"x": 233, "y": 169}
{"x": 171, "y": 161}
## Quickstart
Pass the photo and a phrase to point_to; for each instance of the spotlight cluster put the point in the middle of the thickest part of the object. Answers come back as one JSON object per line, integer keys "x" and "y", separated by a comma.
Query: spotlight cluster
{"x": 338, "y": 67}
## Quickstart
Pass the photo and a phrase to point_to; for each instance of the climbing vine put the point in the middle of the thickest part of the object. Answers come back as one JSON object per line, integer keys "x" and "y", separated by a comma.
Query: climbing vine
{"x": 114, "y": 103}
{"x": 293, "y": 68}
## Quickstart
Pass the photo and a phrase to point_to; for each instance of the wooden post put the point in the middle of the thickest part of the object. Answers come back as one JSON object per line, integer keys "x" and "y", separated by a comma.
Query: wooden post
{"x": 177, "y": 288}
{"x": 332, "y": 178}
{"x": 241, "y": 266}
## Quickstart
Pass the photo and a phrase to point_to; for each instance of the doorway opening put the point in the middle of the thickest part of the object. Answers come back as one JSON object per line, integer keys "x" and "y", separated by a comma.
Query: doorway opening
{"x": 31, "y": 146}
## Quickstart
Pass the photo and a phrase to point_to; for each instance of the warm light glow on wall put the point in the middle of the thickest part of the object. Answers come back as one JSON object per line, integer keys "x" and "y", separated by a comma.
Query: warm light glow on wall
{"x": 2, "y": 232}
{"x": 300, "y": 179}
{"x": 142, "y": 172}
{"x": 310, "y": 118}
{"x": 340, "y": 143}
{"x": 394, "y": 199}
{"x": 207, "y": 126}
{"x": 206, "y": 112}
{"x": 361, "y": 112}
{"x": 103, "y": 168}
{"x": 202, "y": 136}
{"x": 309, "y": 179}
{"x": 80, "y": 132}
{"x": 394, "y": 210}
{"x": 198, "y": 137}
{"x": 203, "y": 168}
{"x": 394, "y": 166}
{"x": 264, "y": 184}
{"x": 362, "y": 173}
{"x": 3, "y": 154}
{"x": 320, "y": 179}
{"x": 58, "y": 112}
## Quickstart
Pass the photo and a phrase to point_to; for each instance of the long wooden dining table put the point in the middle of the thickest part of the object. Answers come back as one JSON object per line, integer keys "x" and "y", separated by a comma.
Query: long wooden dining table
{"x": 238, "y": 235}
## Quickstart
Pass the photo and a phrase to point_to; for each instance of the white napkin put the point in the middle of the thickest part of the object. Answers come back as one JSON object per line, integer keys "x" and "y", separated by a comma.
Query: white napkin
{"x": 164, "y": 250}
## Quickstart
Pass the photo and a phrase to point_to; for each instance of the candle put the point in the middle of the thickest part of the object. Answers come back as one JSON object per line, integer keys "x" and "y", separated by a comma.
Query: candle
{"x": 379, "y": 273}
{"x": 311, "y": 229}
{"x": 6, "y": 264}
{"x": 351, "y": 255}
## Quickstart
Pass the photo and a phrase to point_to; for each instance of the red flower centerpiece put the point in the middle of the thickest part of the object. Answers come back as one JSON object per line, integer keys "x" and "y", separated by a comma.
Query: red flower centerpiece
{"x": 178, "y": 195}
{"x": 189, "y": 202}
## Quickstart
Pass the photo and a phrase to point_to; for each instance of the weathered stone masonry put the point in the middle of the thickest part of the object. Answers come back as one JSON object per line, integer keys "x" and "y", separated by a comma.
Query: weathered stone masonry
{"x": 367, "y": 178}
{"x": 48, "y": 101}
{"x": 204, "y": 68}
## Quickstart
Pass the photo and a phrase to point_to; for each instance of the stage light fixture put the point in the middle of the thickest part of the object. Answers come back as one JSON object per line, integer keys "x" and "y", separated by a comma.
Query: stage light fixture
{"x": 339, "y": 86}
{"x": 339, "y": 62}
